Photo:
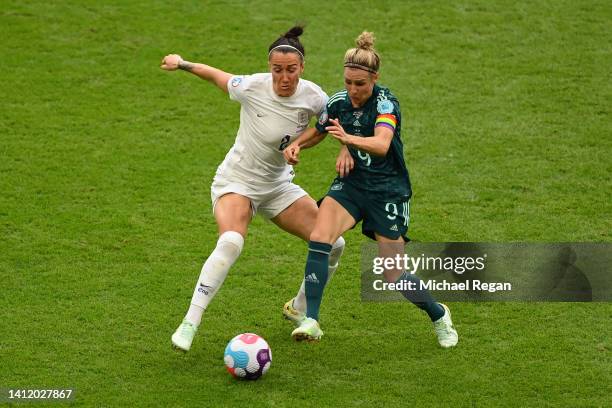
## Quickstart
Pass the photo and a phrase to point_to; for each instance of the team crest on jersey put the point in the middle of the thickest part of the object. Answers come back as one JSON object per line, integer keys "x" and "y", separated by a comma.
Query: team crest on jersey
{"x": 385, "y": 106}
{"x": 236, "y": 81}
{"x": 357, "y": 115}
{"x": 323, "y": 117}
{"x": 303, "y": 118}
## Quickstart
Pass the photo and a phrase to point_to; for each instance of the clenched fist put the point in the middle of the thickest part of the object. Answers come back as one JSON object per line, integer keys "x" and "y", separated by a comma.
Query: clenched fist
{"x": 171, "y": 62}
{"x": 292, "y": 153}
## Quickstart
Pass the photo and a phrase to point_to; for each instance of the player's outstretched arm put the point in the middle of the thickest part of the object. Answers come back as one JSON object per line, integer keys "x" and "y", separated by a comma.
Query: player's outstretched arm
{"x": 172, "y": 62}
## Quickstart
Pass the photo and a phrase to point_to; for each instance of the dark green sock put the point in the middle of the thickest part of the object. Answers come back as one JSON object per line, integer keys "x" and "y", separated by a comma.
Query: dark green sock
{"x": 421, "y": 298}
{"x": 315, "y": 276}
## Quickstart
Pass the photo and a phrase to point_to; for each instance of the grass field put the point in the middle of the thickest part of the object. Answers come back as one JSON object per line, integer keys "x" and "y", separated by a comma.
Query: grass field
{"x": 105, "y": 215}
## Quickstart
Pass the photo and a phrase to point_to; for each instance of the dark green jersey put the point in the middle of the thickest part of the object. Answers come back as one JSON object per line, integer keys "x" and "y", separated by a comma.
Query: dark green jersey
{"x": 378, "y": 174}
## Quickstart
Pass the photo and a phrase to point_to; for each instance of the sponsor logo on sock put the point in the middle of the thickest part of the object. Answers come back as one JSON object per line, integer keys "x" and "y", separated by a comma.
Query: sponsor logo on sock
{"x": 312, "y": 278}
{"x": 394, "y": 227}
{"x": 205, "y": 289}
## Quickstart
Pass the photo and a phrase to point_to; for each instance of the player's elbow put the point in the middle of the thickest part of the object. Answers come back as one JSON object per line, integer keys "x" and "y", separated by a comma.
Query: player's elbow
{"x": 382, "y": 140}
{"x": 382, "y": 149}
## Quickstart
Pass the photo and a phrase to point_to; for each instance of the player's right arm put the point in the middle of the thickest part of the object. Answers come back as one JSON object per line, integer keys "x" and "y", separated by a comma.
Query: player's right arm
{"x": 313, "y": 136}
{"x": 310, "y": 137}
{"x": 172, "y": 62}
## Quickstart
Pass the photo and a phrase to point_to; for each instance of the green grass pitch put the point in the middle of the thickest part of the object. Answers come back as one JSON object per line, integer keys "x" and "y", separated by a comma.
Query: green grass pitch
{"x": 105, "y": 216}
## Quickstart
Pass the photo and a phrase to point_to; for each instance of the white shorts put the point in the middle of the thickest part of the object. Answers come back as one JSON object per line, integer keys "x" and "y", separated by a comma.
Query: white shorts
{"x": 268, "y": 200}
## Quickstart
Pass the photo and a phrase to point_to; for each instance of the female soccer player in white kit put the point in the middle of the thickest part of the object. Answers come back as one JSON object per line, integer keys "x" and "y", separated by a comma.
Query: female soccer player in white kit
{"x": 254, "y": 178}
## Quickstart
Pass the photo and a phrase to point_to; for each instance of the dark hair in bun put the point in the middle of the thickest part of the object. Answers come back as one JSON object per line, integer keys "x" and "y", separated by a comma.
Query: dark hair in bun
{"x": 294, "y": 32}
{"x": 292, "y": 41}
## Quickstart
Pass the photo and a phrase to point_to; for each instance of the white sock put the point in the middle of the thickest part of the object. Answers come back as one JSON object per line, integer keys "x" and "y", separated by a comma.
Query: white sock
{"x": 213, "y": 274}
{"x": 299, "y": 301}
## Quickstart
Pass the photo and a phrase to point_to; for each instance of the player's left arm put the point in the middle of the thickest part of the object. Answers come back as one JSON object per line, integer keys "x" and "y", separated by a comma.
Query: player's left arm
{"x": 377, "y": 145}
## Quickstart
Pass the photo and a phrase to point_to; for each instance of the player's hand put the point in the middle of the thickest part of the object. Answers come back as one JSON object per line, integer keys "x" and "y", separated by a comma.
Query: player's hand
{"x": 344, "y": 162}
{"x": 292, "y": 154}
{"x": 337, "y": 131}
{"x": 171, "y": 62}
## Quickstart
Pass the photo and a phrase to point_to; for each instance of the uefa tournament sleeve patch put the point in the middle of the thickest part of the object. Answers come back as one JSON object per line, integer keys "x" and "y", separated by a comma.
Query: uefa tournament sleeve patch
{"x": 323, "y": 117}
{"x": 387, "y": 120}
{"x": 236, "y": 81}
{"x": 385, "y": 106}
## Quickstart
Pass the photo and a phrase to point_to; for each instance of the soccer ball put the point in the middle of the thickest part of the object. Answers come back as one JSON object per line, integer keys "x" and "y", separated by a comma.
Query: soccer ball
{"x": 247, "y": 356}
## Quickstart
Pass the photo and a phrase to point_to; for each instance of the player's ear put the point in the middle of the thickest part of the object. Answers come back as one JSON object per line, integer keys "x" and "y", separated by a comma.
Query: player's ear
{"x": 374, "y": 77}
{"x": 302, "y": 67}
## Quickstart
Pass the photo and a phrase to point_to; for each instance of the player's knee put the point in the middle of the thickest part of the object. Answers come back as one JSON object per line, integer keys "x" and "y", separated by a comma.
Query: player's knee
{"x": 339, "y": 244}
{"x": 336, "y": 252}
{"x": 322, "y": 236}
{"x": 230, "y": 245}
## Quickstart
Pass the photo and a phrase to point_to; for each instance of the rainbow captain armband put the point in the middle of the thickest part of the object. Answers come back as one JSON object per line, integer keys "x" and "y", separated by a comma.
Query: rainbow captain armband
{"x": 387, "y": 120}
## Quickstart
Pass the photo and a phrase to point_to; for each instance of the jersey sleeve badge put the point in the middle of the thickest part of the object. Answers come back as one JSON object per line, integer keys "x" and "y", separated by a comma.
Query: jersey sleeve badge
{"x": 323, "y": 117}
{"x": 384, "y": 107}
{"x": 236, "y": 81}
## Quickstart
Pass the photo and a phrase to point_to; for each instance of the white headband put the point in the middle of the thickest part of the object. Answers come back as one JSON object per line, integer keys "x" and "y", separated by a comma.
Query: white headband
{"x": 286, "y": 46}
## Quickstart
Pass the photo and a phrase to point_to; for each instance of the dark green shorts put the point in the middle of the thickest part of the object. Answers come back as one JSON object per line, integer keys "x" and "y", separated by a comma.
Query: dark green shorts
{"x": 385, "y": 214}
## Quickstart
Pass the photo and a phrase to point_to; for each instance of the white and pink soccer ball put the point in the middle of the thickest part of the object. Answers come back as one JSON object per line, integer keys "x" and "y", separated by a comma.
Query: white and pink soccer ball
{"x": 247, "y": 356}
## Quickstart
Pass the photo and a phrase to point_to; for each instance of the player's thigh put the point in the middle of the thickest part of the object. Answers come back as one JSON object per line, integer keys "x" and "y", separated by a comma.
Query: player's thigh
{"x": 386, "y": 220}
{"x": 386, "y": 217}
{"x": 333, "y": 220}
{"x": 233, "y": 212}
{"x": 299, "y": 218}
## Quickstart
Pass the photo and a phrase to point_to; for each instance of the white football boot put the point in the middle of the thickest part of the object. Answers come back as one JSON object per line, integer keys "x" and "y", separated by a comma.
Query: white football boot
{"x": 183, "y": 336}
{"x": 308, "y": 330}
{"x": 292, "y": 314}
{"x": 447, "y": 335}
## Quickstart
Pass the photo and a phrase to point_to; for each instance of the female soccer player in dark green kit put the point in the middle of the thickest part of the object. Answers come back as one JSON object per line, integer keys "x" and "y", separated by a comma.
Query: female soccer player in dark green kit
{"x": 365, "y": 117}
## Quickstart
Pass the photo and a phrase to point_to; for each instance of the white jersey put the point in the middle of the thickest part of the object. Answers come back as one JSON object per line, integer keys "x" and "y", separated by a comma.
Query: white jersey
{"x": 268, "y": 124}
